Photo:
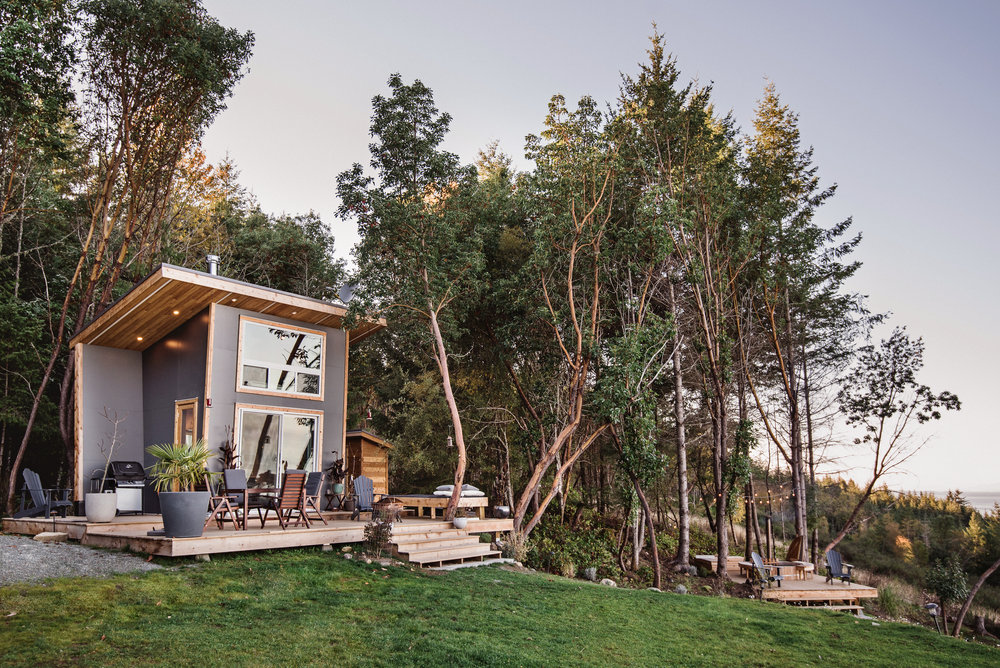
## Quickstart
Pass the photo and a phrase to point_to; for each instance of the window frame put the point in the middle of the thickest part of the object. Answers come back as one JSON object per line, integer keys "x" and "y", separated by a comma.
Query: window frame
{"x": 180, "y": 406}
{"x": 284, "y": 412}
{"x": 321, "y": 372}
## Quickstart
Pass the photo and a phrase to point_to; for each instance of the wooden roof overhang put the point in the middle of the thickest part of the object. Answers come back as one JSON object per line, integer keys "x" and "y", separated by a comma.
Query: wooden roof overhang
{"x": 172, "y": 295}
{"x": 370, "y": 437}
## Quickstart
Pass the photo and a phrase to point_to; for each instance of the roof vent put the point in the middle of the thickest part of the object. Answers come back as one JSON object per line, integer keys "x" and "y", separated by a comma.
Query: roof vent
{"x": 213, "y": 264}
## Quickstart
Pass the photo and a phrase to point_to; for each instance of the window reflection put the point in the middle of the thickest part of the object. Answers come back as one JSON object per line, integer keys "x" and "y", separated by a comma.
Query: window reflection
{"x": 271, "y": 442}
{"x": 280, "y": 359}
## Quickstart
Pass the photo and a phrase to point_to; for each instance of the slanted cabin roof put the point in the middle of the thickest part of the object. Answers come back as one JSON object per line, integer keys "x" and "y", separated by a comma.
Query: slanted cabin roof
{"x": 368, "y": 437}
{"x": 173, "y": 295}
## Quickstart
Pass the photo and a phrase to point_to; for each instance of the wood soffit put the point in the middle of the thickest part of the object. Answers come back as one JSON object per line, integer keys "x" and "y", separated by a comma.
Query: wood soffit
{"x": 172, "y": 295}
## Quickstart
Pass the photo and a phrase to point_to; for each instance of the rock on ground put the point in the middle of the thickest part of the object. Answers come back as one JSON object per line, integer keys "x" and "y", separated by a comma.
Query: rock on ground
{"x": 25, "y": 560}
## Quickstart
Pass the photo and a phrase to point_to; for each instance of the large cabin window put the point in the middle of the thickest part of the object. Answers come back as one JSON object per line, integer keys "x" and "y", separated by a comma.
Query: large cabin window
{"x": 280, "y": 359}
{"x": 273, "y": 439}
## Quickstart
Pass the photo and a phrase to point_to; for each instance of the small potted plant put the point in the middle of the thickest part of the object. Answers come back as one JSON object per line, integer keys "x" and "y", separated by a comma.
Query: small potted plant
{"x": 337, "y": 475}
{"x": 461, "y": 520}
{"x": 350, "y": 502}
{"x": 179, "y": 468}
{"x": 101, "y": 505}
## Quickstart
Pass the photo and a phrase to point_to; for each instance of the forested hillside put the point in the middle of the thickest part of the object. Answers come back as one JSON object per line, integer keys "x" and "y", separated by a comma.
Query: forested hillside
{"x": 644, "y": 345}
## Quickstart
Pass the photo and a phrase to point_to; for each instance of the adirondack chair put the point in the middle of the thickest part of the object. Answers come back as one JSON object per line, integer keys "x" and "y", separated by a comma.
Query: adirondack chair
{"x": 364, "y": 493}
{"x": 763, "y": 577}
{"x": 43, "y": 500}
{"x": 219, "y": 506}
{"x": 291, "y": 499}
{"x": 314, "y": 487}
{"x": 835, "y": 566}
{"x": 235, "y": 483}
{"x": 795, "y": 549}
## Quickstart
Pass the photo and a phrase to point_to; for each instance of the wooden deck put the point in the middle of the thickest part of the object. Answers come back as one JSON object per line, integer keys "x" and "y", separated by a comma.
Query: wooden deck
{"x": 130, "y": 533}
{"x": 812, "y": 591}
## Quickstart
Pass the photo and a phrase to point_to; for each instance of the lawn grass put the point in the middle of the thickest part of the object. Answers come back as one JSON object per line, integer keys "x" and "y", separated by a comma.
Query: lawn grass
{"x": 307, "y": 607}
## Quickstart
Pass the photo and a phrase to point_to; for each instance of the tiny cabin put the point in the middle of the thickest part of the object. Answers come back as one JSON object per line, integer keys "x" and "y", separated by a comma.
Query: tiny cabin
{"x": 188, "y": 354}
{"x": 368, "y": 455}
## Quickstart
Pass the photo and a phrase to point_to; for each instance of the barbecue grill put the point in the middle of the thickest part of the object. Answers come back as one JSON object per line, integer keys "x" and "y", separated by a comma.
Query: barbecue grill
{"x": 127, "y": 479}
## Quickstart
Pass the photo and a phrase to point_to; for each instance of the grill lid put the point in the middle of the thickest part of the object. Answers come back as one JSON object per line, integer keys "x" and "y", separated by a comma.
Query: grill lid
{"x": 126, "y": 471}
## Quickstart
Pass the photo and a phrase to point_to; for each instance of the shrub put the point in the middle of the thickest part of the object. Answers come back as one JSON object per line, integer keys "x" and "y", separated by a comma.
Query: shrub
{"x": 890, "y": 601}
{"x": 555, "y": 546}
{"x": 948, "y": 580}
{"x": 513, "y": 547}
{"x": 377, "y": 536}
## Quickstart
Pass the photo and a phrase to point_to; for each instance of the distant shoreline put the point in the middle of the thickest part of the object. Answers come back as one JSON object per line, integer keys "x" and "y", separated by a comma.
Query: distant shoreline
{"x": 981, "y": 501}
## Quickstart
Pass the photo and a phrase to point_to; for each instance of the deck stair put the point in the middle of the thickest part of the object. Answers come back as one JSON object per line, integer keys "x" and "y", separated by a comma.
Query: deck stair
{"x": 436, "y": 544}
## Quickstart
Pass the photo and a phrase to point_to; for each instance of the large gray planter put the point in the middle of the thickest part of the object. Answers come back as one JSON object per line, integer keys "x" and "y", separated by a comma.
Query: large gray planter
{"x": 184, "y": 513}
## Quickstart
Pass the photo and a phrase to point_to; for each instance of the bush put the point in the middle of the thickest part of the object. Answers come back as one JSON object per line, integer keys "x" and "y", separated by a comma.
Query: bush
{"x": 377, "y": 536}
{"x": 556, "y": 548}
{"x": 890, "y": 601}
{"x": 948, "y": 580}
{"x": 513, "y": 546}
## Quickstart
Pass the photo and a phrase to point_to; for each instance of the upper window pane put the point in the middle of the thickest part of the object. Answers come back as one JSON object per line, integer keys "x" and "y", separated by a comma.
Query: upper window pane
{"x": 277, "y": 358}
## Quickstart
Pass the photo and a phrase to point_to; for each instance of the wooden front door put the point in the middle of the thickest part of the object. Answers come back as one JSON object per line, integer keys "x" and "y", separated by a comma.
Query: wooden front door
{"x": 185, "y": 421}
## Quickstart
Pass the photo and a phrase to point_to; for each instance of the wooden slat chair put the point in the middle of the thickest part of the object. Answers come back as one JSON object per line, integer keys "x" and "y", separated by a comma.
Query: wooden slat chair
{"x": 314, "y": 487}
{"x": 235, "y": 483}
{"x": 835, "y": 566}
{"x": 219, "y": 506}
{"x": 292, "y": 499}
{"x": 43, "y": 500}
{"x": 761, "y": 575}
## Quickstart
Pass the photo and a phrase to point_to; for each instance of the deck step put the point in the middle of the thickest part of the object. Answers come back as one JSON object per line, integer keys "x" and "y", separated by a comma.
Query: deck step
{"x": 442, "y": 554}
{"x": 851, "y": 608}
{"x": 455, "y": 556}
{"x": 406, "y": 529}
{"x": 443, "y": 541}
{"x": 428, "y": 536}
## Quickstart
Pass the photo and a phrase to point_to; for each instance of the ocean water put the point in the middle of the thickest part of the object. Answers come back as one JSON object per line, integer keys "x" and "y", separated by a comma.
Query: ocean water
{"x": 981, "y": 501}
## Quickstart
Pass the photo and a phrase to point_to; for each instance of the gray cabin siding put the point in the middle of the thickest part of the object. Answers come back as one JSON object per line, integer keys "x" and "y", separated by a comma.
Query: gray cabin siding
{"x": 224, "y": 394}
{"x": 112, "y": 380}
{"x": 173, "y": 369}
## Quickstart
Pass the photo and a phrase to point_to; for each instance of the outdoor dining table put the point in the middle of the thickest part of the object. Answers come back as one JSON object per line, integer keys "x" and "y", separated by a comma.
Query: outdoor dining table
{"x": 246, "y": 499}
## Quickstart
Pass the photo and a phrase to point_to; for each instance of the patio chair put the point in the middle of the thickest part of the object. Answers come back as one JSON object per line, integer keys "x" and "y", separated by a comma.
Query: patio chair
{"x": 291, "y": 499}
{"x": 43, "y": 500}
{"x": 314, "y": 487}
{"x": 795, "y": 549}
{"x": 761, "y": 575}
{"x": 835, "y": 566}
{"x": 219, "y": 506}
{"x": 235, "y": 483}
{"x": 365, "y": 495}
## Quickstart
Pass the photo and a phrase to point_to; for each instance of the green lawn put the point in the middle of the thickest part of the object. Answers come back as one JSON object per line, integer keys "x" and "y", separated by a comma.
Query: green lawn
{"x": 306, "y": 607}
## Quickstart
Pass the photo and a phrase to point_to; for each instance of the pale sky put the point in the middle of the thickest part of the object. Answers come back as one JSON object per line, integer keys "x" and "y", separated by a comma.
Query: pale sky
{"x": 899, "y": 100}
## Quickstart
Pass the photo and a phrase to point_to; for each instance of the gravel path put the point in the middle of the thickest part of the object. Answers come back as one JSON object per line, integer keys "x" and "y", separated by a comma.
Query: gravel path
{"x": 25, "y": 560}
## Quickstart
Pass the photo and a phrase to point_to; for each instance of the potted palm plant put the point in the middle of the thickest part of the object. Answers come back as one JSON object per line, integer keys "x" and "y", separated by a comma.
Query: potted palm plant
{"x": 179, "y": 468}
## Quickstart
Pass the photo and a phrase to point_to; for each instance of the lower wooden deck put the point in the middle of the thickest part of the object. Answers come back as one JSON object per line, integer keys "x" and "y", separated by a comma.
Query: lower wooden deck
{"x": 130, "y": 533}
{"x": 813, "y": 590}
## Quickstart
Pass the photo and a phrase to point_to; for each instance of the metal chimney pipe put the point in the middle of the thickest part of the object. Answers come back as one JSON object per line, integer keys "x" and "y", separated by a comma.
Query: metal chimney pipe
{"x": 213, "y": 264}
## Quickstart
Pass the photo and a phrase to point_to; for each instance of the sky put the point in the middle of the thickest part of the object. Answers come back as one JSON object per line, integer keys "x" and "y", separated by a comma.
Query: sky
{"x": 898, "y": 99}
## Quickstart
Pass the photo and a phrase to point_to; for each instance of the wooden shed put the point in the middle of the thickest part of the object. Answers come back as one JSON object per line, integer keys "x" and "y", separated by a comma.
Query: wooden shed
{"x": 368, "y": 455}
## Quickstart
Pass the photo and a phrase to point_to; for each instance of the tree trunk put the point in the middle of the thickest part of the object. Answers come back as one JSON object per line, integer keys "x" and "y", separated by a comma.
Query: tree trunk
{"x": 719, "y": 470}
{"x": 651, "y": 528}
{"x": 972, "y": 594}
{"x": 456, "y": 419}
{"x": 852, "y": 517}
{"x": 683, "y": 514}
